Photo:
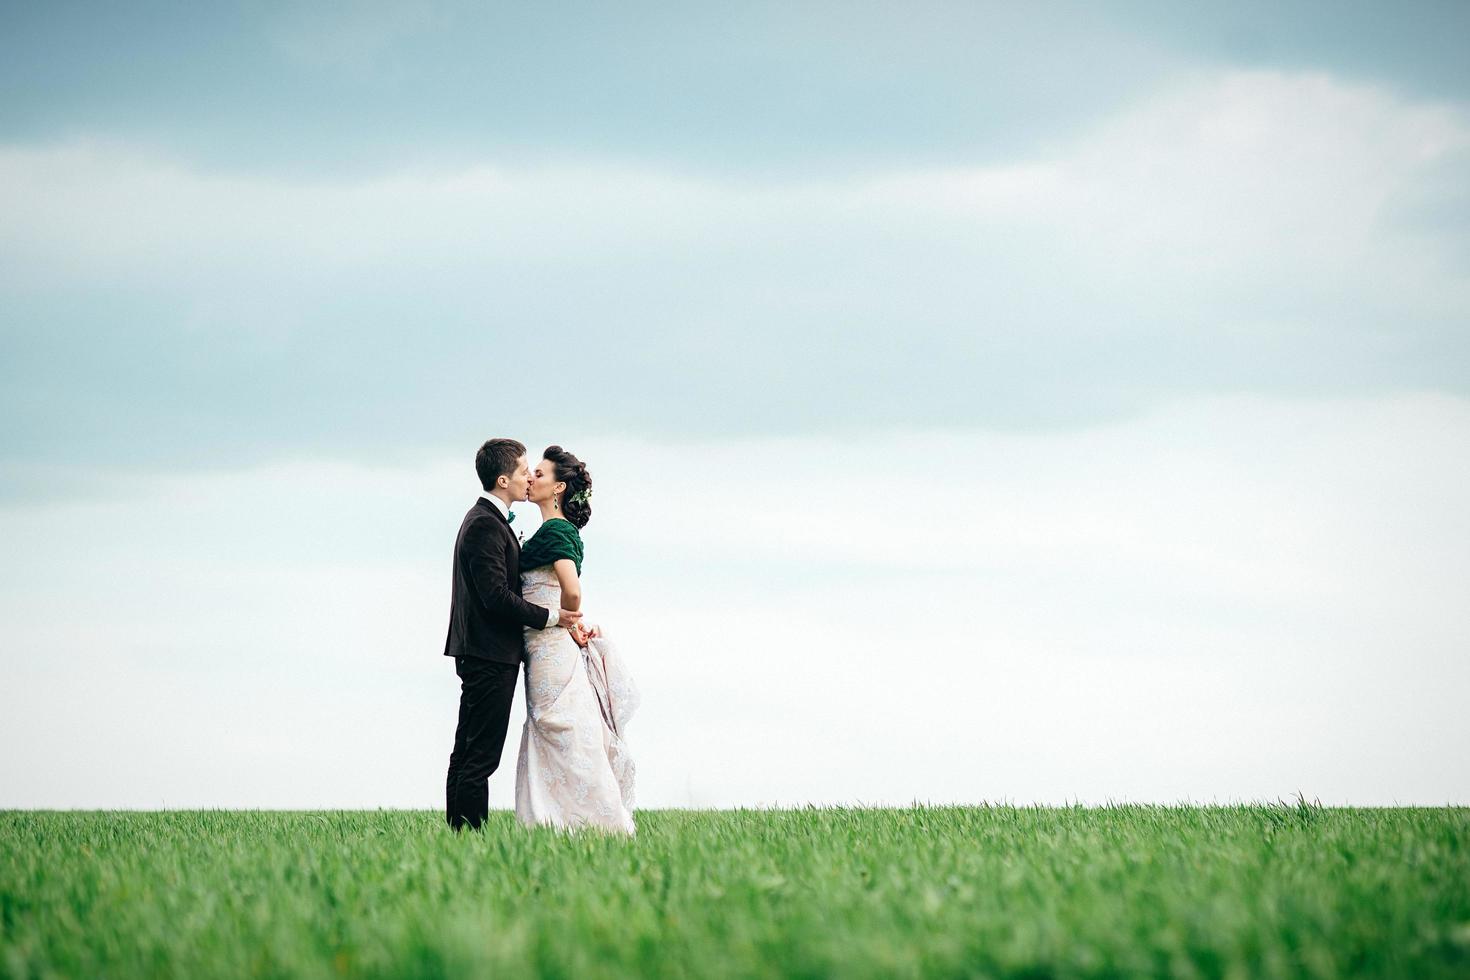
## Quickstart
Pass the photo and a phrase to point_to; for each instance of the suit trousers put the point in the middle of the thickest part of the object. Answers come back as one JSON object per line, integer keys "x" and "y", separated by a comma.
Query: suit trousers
{"x": 486, "y": 691}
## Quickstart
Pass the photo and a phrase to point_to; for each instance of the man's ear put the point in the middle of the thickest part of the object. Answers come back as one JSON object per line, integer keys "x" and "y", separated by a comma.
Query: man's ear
{"x": 502, "y": 481}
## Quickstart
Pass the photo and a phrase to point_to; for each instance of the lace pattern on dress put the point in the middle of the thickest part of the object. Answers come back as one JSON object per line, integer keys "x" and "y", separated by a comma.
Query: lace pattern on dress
{"x": 574, "y": 768}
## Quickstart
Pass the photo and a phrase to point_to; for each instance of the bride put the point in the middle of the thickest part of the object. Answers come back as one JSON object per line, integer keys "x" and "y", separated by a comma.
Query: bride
{"x": 574, "y": 769}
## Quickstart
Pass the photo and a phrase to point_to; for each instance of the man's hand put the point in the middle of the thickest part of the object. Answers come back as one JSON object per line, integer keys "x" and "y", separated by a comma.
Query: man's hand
{"x": 568, "y": 618}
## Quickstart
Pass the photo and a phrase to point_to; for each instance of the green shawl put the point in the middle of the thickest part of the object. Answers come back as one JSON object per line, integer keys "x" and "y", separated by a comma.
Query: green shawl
{"x": 556, "y": 538}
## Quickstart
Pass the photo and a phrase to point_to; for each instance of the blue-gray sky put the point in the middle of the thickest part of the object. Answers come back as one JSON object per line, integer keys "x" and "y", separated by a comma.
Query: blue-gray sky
{"x": 1146, "y": 326}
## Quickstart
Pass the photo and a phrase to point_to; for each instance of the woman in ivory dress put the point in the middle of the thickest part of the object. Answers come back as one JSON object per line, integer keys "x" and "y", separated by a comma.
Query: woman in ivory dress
{"x": 574, "y": 769}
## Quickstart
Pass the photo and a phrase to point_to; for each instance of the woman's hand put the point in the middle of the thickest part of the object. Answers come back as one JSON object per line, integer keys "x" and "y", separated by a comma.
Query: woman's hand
{"x": 579, "y": 635}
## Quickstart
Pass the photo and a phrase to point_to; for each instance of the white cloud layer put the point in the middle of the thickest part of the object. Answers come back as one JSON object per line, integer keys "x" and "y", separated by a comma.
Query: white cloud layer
{"x": 1247, "y": 581}
{"x": 1230, "y": 598}
{"x": 1263, "y": 231}
{"x": 1229, "y": 180}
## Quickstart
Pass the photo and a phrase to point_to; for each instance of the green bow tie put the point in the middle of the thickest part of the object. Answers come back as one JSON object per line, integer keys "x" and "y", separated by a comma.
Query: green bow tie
{"x": 510, "y": 517}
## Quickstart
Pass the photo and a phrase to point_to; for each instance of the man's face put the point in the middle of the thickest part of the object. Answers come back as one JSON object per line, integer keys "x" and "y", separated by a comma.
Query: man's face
{"x": 519, "y": 480}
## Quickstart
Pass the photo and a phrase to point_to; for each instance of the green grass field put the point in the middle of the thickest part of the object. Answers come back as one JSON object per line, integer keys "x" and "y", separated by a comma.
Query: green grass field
{"x": 1241, "y": 891}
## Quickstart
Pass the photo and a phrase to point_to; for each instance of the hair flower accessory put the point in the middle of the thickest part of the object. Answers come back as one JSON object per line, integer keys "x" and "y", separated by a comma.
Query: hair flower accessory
{"x": 582, "y": 496}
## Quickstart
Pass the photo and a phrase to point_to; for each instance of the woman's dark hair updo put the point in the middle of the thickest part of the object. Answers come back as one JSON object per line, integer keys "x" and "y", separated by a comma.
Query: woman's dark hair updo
{"x": 576, "y": 502}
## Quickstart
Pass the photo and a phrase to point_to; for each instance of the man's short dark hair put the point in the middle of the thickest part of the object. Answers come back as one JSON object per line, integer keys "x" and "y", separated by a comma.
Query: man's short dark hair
{"x": 497, "y": 458}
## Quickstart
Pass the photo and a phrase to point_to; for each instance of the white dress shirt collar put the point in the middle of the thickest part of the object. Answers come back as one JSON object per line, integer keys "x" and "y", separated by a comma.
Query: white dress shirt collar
{"x": 500, "y": 505}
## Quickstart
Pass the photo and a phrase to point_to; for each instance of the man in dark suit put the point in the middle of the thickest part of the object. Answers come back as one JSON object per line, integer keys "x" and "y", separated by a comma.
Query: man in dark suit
{"x": 486, "y": 614}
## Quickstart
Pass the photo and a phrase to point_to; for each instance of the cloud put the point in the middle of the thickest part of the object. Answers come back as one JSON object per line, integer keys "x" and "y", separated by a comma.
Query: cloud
{"x": 1244, "y": 231}
{"x": 1232, "y": 597}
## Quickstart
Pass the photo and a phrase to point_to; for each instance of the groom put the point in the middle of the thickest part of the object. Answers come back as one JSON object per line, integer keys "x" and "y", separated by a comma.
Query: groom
{"x": 486, "y": 613}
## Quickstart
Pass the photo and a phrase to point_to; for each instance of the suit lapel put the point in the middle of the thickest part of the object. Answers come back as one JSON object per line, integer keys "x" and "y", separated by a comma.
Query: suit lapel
{"x": 494, "y": 512}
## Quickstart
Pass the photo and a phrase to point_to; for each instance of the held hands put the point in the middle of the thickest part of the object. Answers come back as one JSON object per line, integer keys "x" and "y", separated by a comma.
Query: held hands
{"x": 583, "y": 635}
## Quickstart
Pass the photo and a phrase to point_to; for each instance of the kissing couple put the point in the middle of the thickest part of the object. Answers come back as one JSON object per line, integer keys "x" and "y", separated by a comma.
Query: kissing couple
{"x": 513, "y": 603}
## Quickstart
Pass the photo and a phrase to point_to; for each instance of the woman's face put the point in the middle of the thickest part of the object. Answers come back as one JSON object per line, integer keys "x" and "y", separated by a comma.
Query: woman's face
{"x": 544, "y": 484}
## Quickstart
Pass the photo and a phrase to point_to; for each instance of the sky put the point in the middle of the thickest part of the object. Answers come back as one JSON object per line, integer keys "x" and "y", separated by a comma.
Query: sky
{"x": 985, "y": 402}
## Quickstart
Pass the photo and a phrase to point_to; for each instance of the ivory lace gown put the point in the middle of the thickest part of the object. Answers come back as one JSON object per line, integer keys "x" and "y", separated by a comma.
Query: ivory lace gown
{"x": 573, "y": 769}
